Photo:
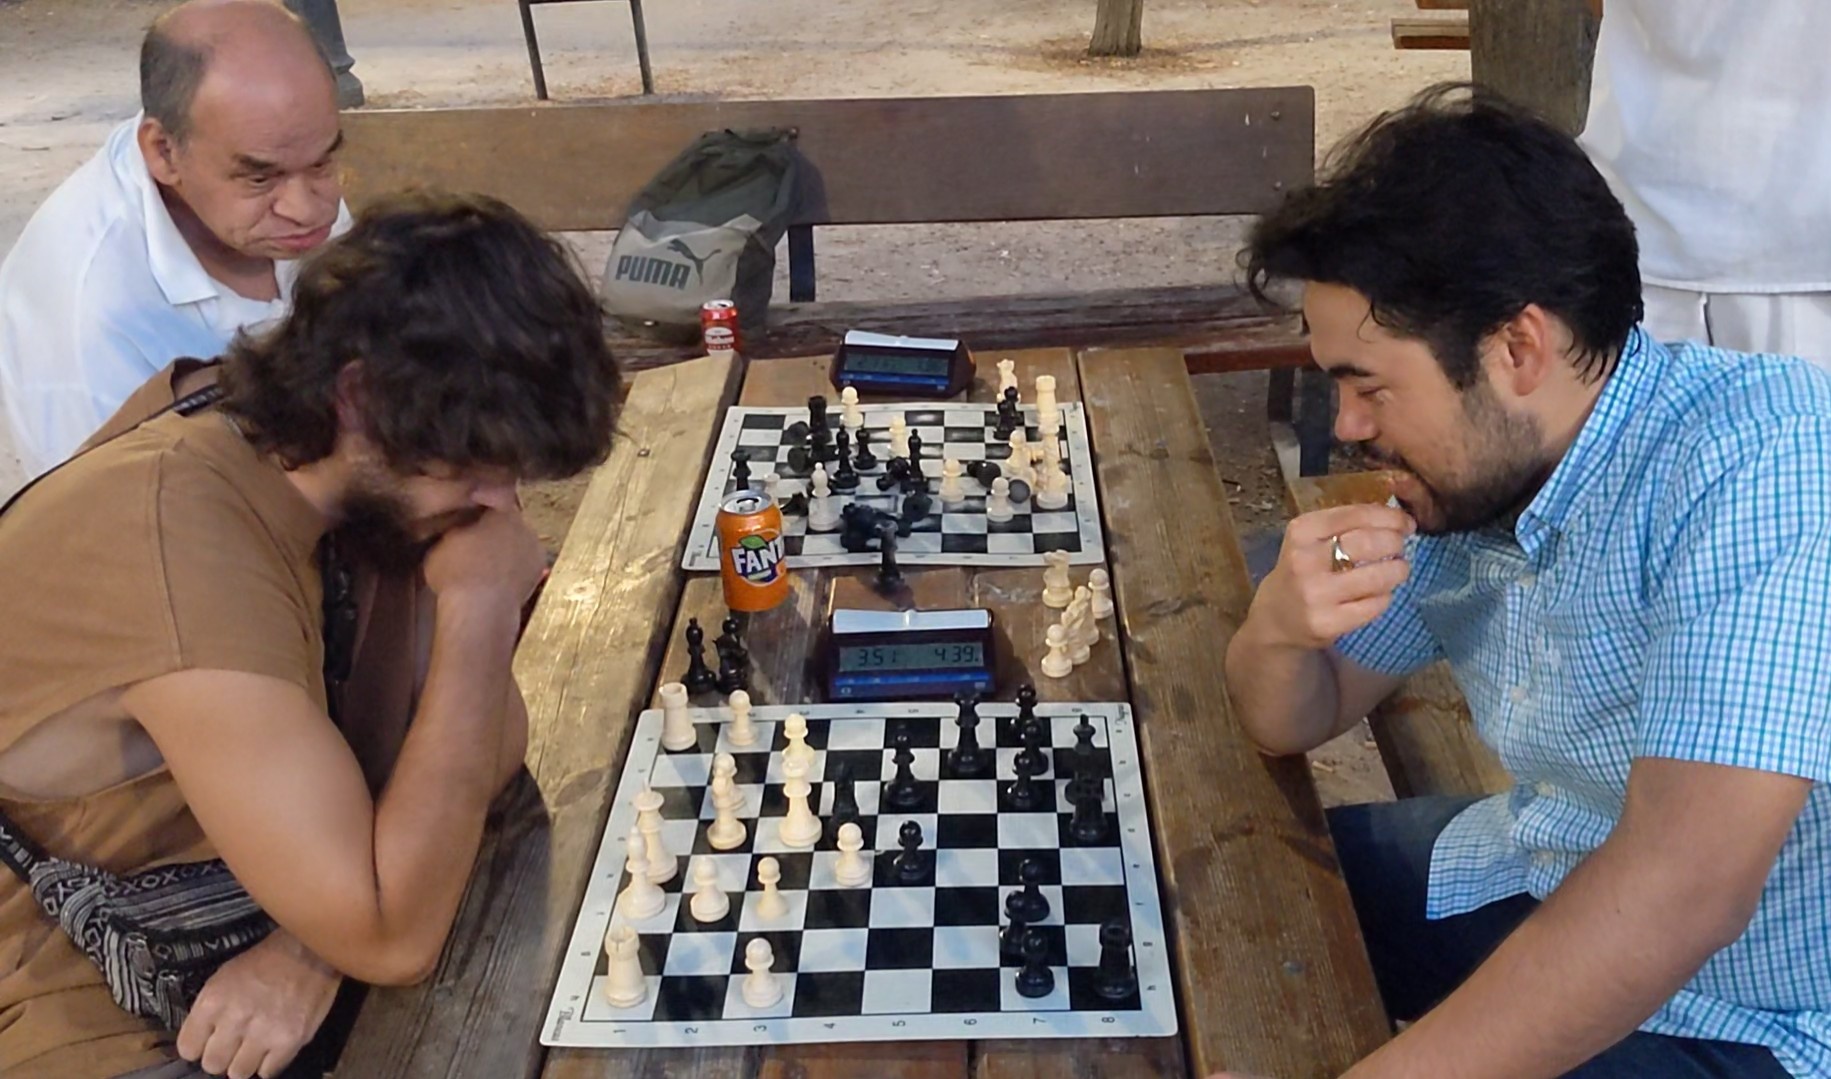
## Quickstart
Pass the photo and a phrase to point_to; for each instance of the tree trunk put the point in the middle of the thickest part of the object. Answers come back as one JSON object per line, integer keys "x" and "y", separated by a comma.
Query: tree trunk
{"x": 1536, "y": 52}
{"x": 1118, "y": 28}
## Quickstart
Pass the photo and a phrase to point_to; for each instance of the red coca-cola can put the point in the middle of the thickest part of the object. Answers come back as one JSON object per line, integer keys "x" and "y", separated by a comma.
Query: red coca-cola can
{"x": 718, "y": 327}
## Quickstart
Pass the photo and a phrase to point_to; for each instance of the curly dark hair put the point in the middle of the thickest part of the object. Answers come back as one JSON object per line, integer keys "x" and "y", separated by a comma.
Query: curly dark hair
{"x": 1450, "y": 215}
{"x": 479, "y": 342}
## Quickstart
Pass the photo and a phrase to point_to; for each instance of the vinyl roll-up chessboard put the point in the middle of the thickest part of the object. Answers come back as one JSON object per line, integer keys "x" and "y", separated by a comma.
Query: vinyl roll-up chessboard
{"x": 952, "y": 534}
{"x": 894, "y": 959}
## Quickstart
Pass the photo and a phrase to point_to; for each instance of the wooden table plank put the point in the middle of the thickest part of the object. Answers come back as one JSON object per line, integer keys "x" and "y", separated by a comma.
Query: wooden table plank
{"x": 1273, "y": 975}
{"x": 585, "y": 664}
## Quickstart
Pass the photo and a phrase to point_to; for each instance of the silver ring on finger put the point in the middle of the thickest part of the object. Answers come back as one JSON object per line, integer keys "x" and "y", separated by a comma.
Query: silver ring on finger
{"x": 1339, "y": 560}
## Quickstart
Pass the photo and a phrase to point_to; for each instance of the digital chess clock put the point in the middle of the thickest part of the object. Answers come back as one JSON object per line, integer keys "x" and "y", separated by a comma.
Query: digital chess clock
{"x": 903, "y": 366}
{"x": 897, "y": 655}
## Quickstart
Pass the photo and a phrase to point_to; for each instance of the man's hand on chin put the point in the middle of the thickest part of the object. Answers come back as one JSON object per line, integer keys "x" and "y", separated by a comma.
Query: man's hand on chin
{"x": 259, "y": 1009}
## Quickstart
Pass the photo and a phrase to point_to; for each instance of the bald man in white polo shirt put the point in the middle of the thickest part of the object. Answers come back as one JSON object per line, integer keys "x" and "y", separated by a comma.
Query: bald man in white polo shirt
{"x": 181, "y": 231}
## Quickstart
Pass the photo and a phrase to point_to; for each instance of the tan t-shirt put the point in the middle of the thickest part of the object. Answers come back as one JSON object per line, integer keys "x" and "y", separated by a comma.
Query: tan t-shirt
{"x": 175, "y": 546}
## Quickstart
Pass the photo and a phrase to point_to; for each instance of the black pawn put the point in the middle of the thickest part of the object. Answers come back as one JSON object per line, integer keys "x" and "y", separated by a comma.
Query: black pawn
{"x": 845, "y": 799}
{"x": 915, "y": 507}
{"x": 864, "y": 460}
{"x": 1011, "y": 938}
{"x": 894, "y": 473}
{"x": 740, "y": 470}
{"x": 796, "y": 506}
{"x": 1026, "y": 705}
{"x": 1019, "y": 492}
{"x": 1034, "y": 978}
{"x": 911, "y": 865}
{"x": 984, "y": 471}
{"x": 846, "y": 478}
{"x": 1025, "y": 794}
{"x": 967, "y": 760}
{"x": 903, "y": 792}
{"x": 1031, "y": 900}
{"x": 1088, "y": 794}
{"x": 1009, "y": 415}
{"x": 889, "y": 574}
{"x": 1117, "y": 979}
{"x": 1031, "y": 759}
{"x": 699, "y": 677}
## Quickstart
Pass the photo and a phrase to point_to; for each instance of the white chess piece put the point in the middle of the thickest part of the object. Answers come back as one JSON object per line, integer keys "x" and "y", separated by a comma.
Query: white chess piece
{"x": 899, "y": 437}
{"x": 822, "y": 508}
{"x": 726, "y": 832}
{"x": 850, "y": 417}
{"x": 643, "y": 898}
{"x": 1058, "y": 588}
{"x": 952, "y": 490}
{"x": 1007, "y": 376}
{"x": 794, "y": 728}
{"x": 1084, "y": 604}
{"x": 853, "y": 870}
{"x": 1017, "y": 466}
{"x": 772, "y": 483}
{"x": 710, "y": 903}
{"x": 1056, "y": 663}
{"x": 625, "y": 986}
{"x": 1052, "y": 486}
{"x": 662, "y": 865}
{"x": 677, "y": 731}
{"x": 1045, "y": 399}
{"x": 1100, "y": 587}
{"x": 761, "y": 988}
{"x": 1074, "y": 639}
{"x": 998, "y": 504}
{"x": 739, "y": 731}
{"x": 726, "y": 765}
{"x": 800, "y": 829}
{"x": 770, "y": 904}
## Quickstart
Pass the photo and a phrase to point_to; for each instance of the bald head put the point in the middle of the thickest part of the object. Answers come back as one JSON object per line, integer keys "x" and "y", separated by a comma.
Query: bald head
{"x": 254, "y": 50}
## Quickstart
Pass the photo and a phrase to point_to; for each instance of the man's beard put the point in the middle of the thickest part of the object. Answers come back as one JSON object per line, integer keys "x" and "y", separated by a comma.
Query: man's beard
{"x": 377, "y": 529}
{"x": 1507, "y": 466}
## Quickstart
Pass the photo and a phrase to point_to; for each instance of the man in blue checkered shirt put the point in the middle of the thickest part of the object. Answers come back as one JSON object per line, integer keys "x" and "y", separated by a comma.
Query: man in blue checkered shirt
{"x": 1623, "y": 550}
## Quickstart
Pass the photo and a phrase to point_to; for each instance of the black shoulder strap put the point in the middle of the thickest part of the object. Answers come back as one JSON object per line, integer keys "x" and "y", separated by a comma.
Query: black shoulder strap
{"x": 18, "y": 852}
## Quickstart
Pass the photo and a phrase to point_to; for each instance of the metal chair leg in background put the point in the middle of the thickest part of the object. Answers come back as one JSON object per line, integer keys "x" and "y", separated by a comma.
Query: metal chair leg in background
{"x": 533, "y": 40}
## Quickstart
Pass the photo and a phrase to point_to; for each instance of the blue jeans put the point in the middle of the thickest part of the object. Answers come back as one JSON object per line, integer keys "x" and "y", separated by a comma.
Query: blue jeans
{"x": 1385, "y": 856}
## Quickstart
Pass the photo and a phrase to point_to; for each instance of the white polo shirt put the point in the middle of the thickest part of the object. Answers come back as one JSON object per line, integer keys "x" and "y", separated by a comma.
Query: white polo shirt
{"x": 1712, "y": 123}
{"x": 99, "y": 294}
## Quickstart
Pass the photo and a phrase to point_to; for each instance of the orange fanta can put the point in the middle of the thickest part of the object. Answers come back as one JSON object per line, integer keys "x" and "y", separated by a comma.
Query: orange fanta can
{"x": 751, "y": 561}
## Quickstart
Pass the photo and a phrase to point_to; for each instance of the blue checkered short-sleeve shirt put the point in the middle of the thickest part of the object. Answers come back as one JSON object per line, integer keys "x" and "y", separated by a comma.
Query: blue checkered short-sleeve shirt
{"x": 1666, "y": 594}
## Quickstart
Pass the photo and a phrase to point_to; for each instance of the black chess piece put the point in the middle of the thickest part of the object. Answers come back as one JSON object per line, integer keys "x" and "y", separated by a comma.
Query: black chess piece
{"x": 967, "y": 760}
{"x": 845, "y": 799}
{"x": 1083, "y": 739}
{"x": 1025, "y": 794}
{"x": 816, "y": 415}
{"x": 1035, "y": 904}
{"x": 846, "y": 477}
{"x": 1088, "y": 794}
{"x": 1011, "y": 938}
{"x": 1117, "y": 978}
{"x": 800, "y": 461}
{"x": 1019, "y": 492}
{"x": 795, "y": 434}
{"x": 1035, "y": 735}
{"x": 733, "y": 673}
{"x": 915, "y": 451}
{"x": 796, "y": 505}
{"x": 915, "y": 507}
{"x": 902, "y": 792}
{"x": 1026, "y": 705}
{"x": 895, "y": 470}
{"x": 889, "y": 574}
{"x": 984, "y": 471}
{"x": 819, "y": 434}
{"x": 1034, "y": 978}
{"x": 699, "y": 677}
{"x": 1009, "y": 415}
{"x": 864, "y": 460}
{"x": 740, "y": 470}
{"x": 911, "y": 864}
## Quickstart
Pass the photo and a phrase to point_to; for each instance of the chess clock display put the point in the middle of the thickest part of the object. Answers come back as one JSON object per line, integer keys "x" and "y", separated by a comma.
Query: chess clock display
{"x": 905, "y": 655}
{"x": 902, "y": 366}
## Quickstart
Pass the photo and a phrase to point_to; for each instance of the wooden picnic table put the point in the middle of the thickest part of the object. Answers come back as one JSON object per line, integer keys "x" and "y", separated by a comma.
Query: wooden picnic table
{"x": 1271, "y": 974}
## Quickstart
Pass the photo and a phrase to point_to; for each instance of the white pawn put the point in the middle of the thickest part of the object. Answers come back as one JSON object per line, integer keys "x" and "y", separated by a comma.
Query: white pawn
{"x": 661, "y": 864}
{"x": 625, "y": 986}
{"x": 739, "y": 732}
{"x": 770, "y": 904}
{"x": 1100, "y": 587}
{"x": 761, "y": 989}
{"x": 1056, "y": 663}
{"x": 710, "y": 903}
{"x": 800, "y": 829}
{"x": 899, "y": 437}
{"x": 643, "y": 898}
{"x": 1017, "y": 466}
{"x": 998, "y": 506}
{"x": 852, "y": 870}
{"x": 726, "y": 832}
{"x": 772, "y": 483}
{"x": 952, "y": 491}
{"x": 677, "y": 731}
{"x": 794, "y": 728}
{"x": 1046, "y": 411}
{"x": 1058, "y": 588}
{"x": 726, "y": 765}
{"x": 1007, "y": 376}
{"x": 850, "y": 417}
{"x": 822, "y": 513}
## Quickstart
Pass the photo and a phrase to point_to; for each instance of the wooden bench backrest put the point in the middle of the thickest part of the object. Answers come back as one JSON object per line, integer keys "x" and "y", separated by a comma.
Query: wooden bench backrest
{"x": 881, "y": 161}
